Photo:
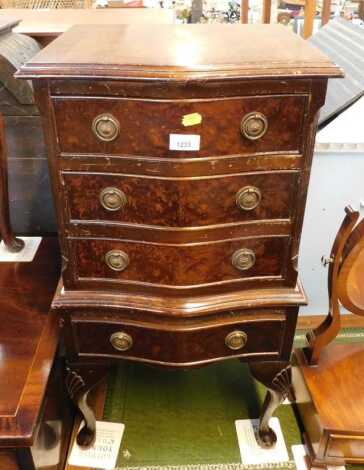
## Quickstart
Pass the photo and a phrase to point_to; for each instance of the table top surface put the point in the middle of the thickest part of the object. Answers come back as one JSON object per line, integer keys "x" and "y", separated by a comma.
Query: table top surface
{"x": 334, "y": 386}
{"x": 123, "y": 50}
{"x": 55, "y": 22}
{"x": 28, "y": 340}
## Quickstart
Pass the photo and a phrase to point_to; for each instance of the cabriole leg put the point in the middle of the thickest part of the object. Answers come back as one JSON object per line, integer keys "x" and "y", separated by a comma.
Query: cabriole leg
{"x": 277, "y": 377}
{"x": 79, "y": 381}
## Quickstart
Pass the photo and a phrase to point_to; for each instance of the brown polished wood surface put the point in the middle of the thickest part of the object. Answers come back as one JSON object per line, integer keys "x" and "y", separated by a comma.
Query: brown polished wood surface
{"x": 351, "y": 279}
{"x": 29, "y": 338}
{"x": 11, "y": 243}
{"x": 331, "y": 404}
{"x": 35, "y": 413}
{"x": 329, "y": 377}
{"x": 259, "y": 50}
{"x": 339, "y": 372}
{"x": 31, "y": 206}
{"x": 45, "y": 25}
{"x": 145, "y": 126}
{"x": 184, "y": 345}
{"x": 345, "y": 285}
{"x": 207, "y": 201}
{"x": 180, "y": 265}
{"x": 176, "y": 257}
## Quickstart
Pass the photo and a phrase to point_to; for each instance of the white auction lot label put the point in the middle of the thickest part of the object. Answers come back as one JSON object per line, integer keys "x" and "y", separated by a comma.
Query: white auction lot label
{"x": 26, "y": 255}
{"x": 251, "y": 453}
{"x": 104, "y": 452}
{"x": 184, "y": 142}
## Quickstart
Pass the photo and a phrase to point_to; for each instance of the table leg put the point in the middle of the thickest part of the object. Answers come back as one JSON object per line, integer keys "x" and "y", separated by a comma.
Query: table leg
{"x": 277, "y": 377}
{"x": 81, "y": 378}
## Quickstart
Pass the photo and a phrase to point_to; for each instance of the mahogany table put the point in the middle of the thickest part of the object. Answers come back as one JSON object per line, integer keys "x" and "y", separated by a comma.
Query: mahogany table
{"x": 35, "y": 416}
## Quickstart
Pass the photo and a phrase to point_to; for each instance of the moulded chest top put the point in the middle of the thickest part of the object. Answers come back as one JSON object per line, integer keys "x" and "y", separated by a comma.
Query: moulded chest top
{"x": 174, "y": 51}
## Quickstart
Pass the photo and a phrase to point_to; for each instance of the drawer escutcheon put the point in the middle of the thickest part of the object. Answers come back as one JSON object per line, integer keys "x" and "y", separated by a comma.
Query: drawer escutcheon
{"x": 112, "y": 199}
{"x": 248, "y": 198}
{"x": 117, "y": 260}
{"x": 236, "y": 340}
{"x": 121, "y": 341}
{"x": 254, "y": 125}
{"x": 243, "y": 259}
{"x": 106, "y": 127}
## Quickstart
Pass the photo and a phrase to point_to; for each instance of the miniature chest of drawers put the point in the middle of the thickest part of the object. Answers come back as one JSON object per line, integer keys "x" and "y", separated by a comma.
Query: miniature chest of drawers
{"x": 180, "y": 158}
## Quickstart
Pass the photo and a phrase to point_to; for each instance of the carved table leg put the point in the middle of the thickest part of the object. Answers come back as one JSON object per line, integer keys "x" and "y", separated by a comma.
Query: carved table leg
{"x": 12, "y": 243}
{"x": 81, "y": 378}
{"x": 277, "y": 377}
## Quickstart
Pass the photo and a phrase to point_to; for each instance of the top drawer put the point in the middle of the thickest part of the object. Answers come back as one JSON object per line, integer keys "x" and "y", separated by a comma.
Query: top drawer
{"x": 232, "y": 126}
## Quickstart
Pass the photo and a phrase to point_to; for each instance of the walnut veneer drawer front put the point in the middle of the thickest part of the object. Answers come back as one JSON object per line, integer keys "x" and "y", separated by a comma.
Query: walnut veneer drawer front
{"x": 120, "y": 126}
{"x": 179, "y": 202}
{"x": 178, "y": 347}
{"x": 179, "y": 265}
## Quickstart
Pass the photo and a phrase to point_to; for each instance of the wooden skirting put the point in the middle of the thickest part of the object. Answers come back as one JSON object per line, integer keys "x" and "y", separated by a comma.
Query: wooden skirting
{"x": 347, "y": 321}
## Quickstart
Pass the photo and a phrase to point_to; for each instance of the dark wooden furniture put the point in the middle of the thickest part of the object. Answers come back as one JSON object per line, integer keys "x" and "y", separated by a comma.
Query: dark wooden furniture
{"x": 31, "y": 205}
{"x": 35, "y": 416}
{"x": 35, "y": 419}
{"x": 11, "y": 242}
{"x": 329, "y": 379}
{"x": 13, "y": 48}
{"x": 172, "y": 257}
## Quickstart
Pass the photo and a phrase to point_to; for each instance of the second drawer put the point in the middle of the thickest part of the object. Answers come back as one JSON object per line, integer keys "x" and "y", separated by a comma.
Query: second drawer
{"x": 179, "y": 202}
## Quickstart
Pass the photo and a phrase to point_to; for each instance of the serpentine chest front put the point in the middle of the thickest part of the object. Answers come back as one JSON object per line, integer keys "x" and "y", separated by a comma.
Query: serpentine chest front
{"x": 180, "y": 159}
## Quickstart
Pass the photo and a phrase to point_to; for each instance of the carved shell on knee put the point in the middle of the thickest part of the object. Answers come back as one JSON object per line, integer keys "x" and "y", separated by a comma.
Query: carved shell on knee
{"x": 74, "y": 383}
{"x": 282, "y": 381}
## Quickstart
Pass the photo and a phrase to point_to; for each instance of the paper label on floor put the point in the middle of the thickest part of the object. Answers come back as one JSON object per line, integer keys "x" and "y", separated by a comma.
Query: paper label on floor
{"x": 250, "y": 451}
{"x": 300, "y": 457}
{"x": 26, "y": 255}
{"x": 302, "y": 462}
{"x": 104, "y": 452}
{"x": 49, "y": 437}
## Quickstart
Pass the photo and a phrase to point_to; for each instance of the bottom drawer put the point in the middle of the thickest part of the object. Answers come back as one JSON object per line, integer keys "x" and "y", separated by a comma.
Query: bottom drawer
{"x": 179, "y": 346}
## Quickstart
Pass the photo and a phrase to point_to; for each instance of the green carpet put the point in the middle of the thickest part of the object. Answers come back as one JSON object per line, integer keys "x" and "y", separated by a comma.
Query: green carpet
{"x": 187, "y": 418}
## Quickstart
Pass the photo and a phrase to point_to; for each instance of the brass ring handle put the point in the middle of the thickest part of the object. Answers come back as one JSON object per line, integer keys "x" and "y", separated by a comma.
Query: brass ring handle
{"x": 121, "y": 341}
{"x": 117, "y": 260}
{"x": 243, "y": 259}
{"x": 254, "y": 125}
{"x": 106, "y": 127}
{"x": 248, "y": 198}
{"x": 112, "y": 199}
{"x": 236, "y": 340}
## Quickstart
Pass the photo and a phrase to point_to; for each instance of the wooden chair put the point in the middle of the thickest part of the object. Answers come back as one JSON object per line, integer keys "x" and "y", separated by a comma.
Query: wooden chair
{"x": 345, "y": 283}
{"x": 329, "y": 381}
{"x": 309, "y": 15}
